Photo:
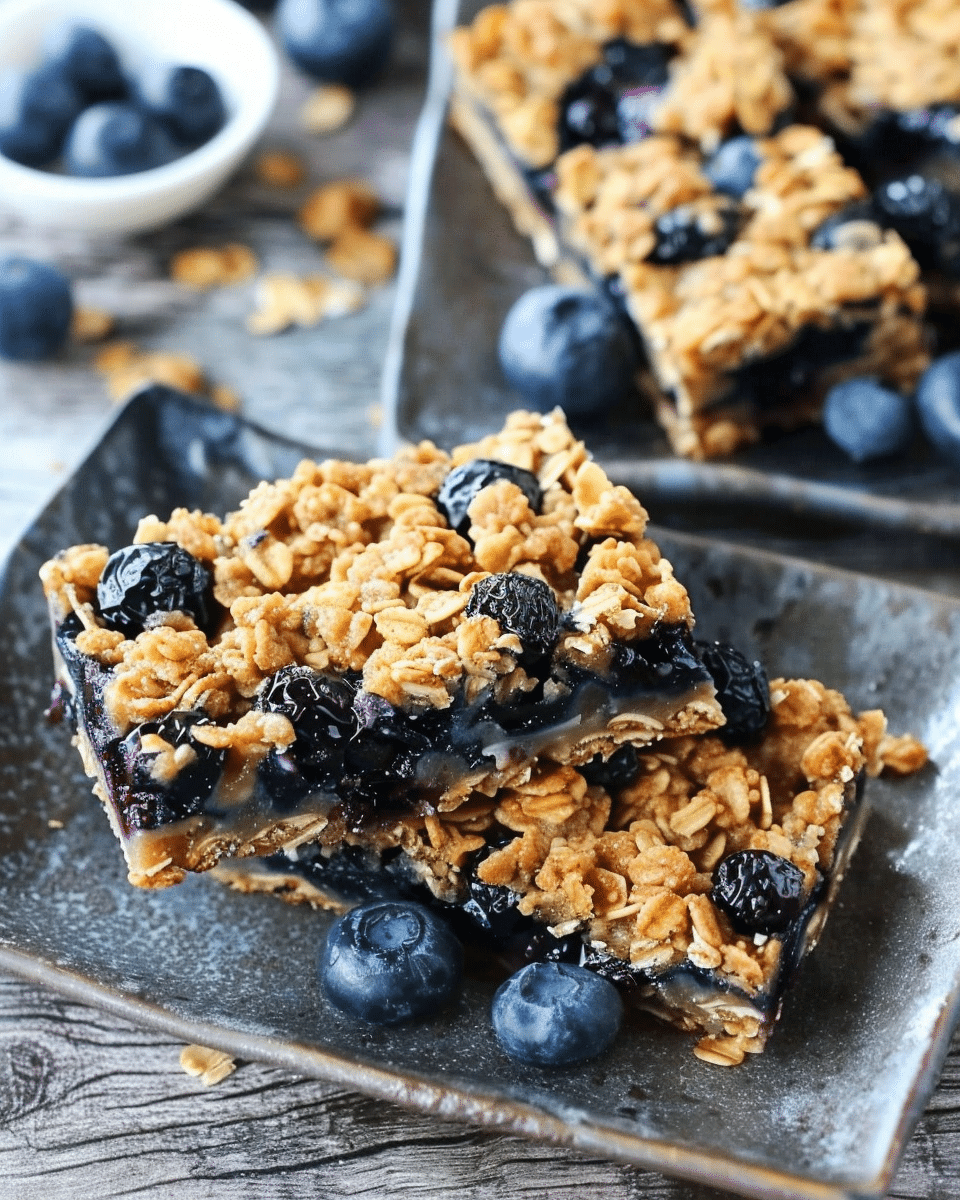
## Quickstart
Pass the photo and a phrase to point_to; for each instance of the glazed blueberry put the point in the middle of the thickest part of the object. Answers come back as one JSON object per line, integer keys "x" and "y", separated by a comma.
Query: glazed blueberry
{"x": 390, "y": 961}
{"x": 153, "y": 577}
{"x": 867, "y": 421}
{"x": 685, "y": 235}
{"x": 852, "y": 228}
{"x": 185, "y": 100}
{"x": 521, "y": 605}
{"x": 732, "y": 168}
{"x": 759, "y": 891}
{"x": 37, "y": 109}
{"x": 36, "y": 308}
{"x": 116, "y": 139}
{"x": 161, "y": 794}
{"x": 743, "y": 692}
{"x": 614, "y": 101}
{"x": 588, "y": 114}
{"x": 464, "y": 483}
{"x": 337, "y": 41}
{"x": 553, "y": 1014}
{"x": 566, "y": 346}
{"x": 87, "y": 59}
{"x": 938, "y": 403}
{"x": 925, "y": 215}
{"x": 616, "y": 773}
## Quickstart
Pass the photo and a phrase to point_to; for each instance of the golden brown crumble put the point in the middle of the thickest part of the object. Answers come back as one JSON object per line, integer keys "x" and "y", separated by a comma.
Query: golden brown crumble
{"x": 280, "y": 169}
{"x": 211, "y": 1066}
{"x": 205, "y": 267}
{"x": 327, "y": 108}
{"x": 284, "y": 299}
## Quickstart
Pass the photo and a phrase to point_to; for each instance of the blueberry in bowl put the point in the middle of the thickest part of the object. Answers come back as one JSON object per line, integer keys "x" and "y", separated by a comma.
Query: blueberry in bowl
{"x": 86, "y": 58}
{"x": 337, "y": 41}
{"x": 37, "y": 108}
{"x": 185, "y": 100}
{"x": 116, "y": 139}
{"x": 36, "y": 307}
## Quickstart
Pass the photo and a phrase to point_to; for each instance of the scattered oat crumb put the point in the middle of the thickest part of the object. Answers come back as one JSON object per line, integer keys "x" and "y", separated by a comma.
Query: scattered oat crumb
{"x": 126, "y": 368}
{"x": 375, "y": 416}
{"x": 209, "y": 266}
{"x": 286, "y": 300}
{"x": 337, "y": 206}
{"x": 280, "y": 168}
{"x": 58, "y": 466}
{"x": 210, "y": 1065}
{"x": 91, "y": 325}
{"x": 53, "y": 823}
{"x": 327, "y": 108}
{"x": 363, "y": 256}
{"x": 225, "y": 398}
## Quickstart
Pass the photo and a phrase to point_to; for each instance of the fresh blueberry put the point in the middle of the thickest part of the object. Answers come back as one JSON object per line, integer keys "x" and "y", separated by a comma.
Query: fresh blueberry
{"x": 390, "y": 961}
{"x": 732, "y": 169}
{"x": 867, "y": 421}
{"x": 553, "y": 1014}
{"x": 521, "y": 605}
{"x": 759, "y": 891}
{"x": 185, "y": 100}
{"x": 86, "y": 58}
{"x": 116, "y": 139}
{"x": 938, "y": 403}
{"x": 36, "y": 307}
{"x": 464, "y": 483}
{"x": 153, "y": 577}
{"x": 158, "y": 797}
{"x": 743, "y": 692}
{"x": 337, "y": 41}
{"x": 686, "y": 235}
{"x": 37, "y": 109}
{"x": 569, "y": 347}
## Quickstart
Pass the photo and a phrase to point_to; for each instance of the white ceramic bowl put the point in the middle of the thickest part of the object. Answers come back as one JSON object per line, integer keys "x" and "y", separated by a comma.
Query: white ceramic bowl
{"x": 217, "y": 35}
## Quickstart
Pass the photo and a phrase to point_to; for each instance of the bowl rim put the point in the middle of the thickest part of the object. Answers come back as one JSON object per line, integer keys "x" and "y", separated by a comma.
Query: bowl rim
{"x": 251, "y": 114}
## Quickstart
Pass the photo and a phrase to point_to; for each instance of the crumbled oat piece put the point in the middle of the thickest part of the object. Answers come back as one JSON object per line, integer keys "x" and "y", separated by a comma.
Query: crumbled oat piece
{"x": 212, "y": 1066}
{"x": 327, "y": 108}
{"x": 363, "y": 256}
{"x": 334, "y": 207}
{"x": 53, "y": 823}
{"x": 280, "y": 169}
{"x": 127, "y": 368}
{"x": 208, "y": 267}
{"x": 91, "y": 324}
{"x": 284, "y": 300}
{"x": 225, "y": 398}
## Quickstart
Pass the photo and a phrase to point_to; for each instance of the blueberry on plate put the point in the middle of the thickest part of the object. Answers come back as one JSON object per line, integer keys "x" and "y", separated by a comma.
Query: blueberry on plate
{"x": 743, "y": 691}
{"x": 185, "y": 100}
{"x": 37, "y": 109}
{"x": 116, "y": 139}
{"x": 938, "y": 403}
{"x": 390, "y": 961}
{"x": 87, "y": 59}
{"x": 760, "y": 892}
{"x": 554, "y": 1014}
{"x": 569, "y": 347}
{"x": 867, "y": 421}
{"x": 149, "y": 578}
{"x": 732, "y": 169}
{"x": 464, "y": 483}
{"x": 36, "y": 307}
{"x": 337, "y": 41}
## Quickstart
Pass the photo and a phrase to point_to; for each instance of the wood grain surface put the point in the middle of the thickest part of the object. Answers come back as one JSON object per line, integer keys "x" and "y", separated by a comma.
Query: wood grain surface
{"x": 91, "y": 1106}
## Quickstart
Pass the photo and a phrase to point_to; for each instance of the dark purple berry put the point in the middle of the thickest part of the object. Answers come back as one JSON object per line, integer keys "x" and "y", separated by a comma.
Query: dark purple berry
{"x": 87, "y": 59}
{"x": 116, "y": 138}
{"x": 390, "y": 961}
{"x": 634, "y": 64}
{"x": 143, "y": 580}
{"x": 687, "y": 235}
{"x": 926, "y": 216}
{"x": 521, "y": 605}
{"x": 868, "y": 421}
{"x": 337, "y": 41}
{"x": 938, "y": 403}
{"x": 759, "y": 891}
{"x": 854, "y": 227}
{"x": 185, "y": 100}
{"x": 36, "y": 110}
{"x": 588, "y": 114}
{"x": 743, "y": 692}
{"x": 36, "y": 308}
{"x": 156, "y": 796}
{"x": 614, "y": 774}
{"x": 614, "y": 101}
{"x": 464, "y": 483}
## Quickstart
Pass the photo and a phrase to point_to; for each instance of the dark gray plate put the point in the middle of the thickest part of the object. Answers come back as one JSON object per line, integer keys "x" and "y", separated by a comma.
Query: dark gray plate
{"x": 464, "y": 265}
{"x": 822, "y": 1114}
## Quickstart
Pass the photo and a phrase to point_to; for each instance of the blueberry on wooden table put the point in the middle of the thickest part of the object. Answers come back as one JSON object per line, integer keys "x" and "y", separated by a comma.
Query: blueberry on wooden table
{"x": 116, "y": 138}
{"x": 464, "y": 483}
{"x": 141, "y": 580}
{"x": 938, "y": 404}
{"x": 390, "y": 961}
{"x": 760, "y": 892}
{"x": 567, "y": 346}
{"x": 555, "y": 1014}
{"x": 37, "y": 108}
{"x": 36, "y": 307}
{"x": 185, "y": 100}
{"x": 867, "y": 420}
{"x": 337, "y": 41}
{"x": 87, "y": 59}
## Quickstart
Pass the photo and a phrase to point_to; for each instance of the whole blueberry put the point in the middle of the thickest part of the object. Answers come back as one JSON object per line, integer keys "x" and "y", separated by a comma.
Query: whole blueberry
{"x": 760, "y": 892}
{"x": 732, "y": 168}
{"x": 337, "y": 41}
{"x": 185, "y": 100}
{"x": 938, "y": 403}
{"x": 148, "y": 578}
{"x": 37, "y": 109}
{"x": 36, "y": 307}
{"x": 521, "y": 605}
{"x": 390, "y": 961}
{"x": 867, "y": 421}
{"x": 569, "y": 347}
{"x": 464, "y": 483}
{"x": 87, "y": 59}
{"x": 554, "y": 1014}
{"x": 116, "y": 139}
{"x": 157, "y": 798}
{"x": 743, "y": 690}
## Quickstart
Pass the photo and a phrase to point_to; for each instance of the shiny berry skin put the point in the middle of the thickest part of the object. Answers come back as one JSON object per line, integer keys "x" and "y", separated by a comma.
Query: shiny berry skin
{"x": 867, "y": 421}
{"x": 390, "y": 961}
{"x": 925, "y": 215}
{"x": 568, "y": 347}
{"x": 153, "y": 577}
{"x": 36, "y": 308}
{"x": 588, "y": 114}
{"x": 938, "y": 405}
{"x": 37, "y": 109}
{"x": 87, "y": 59}
{"x": 337, "y": 41}
{"x": 685, "y": 235}
{"x": 614, "y": 101}
{"x": 732, "y": 168}
{"x": 619, "y": 771}
{"x": 553, "y": 1014}
{"x": 154, "y": 798}
{"x": 522, "y": 605}
{"x": 759, "y": 891}
{"x": 464, "y": 483}
{"x": 854, "y": 227}
{"x": 115, "y": 138}
{"x": 743, "y": 692}
{"x": 185, "y": 100}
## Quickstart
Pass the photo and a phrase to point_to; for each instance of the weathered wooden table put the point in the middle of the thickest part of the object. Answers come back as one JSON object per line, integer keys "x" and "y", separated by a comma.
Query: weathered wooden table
{"x": 89, "y": 1105}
